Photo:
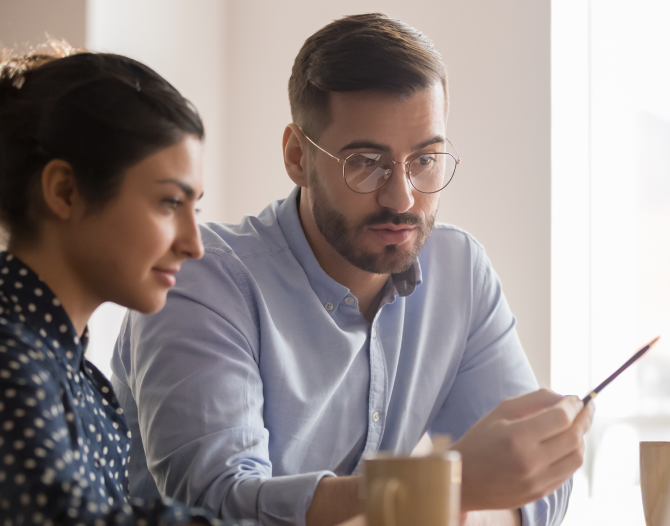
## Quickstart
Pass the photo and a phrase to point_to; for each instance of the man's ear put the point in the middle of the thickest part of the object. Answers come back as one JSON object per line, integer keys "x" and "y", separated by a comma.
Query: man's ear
{"x": 294, "y": 155}
{"x": 59, "y": 189}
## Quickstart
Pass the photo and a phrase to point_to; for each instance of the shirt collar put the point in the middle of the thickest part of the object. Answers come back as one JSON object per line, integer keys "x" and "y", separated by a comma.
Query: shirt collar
{"x": 325, "y": 287}
{"x": 406, "y": 282}
{"x": 25, "y": 298}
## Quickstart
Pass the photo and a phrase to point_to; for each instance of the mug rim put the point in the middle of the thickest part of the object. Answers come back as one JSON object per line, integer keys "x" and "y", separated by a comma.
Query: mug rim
{"x": 451, "y": 455}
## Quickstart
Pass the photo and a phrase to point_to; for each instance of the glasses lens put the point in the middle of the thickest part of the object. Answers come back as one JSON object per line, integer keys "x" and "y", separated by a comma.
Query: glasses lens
{"x": 431, "y": 172}
{"x": 367, "y": 172}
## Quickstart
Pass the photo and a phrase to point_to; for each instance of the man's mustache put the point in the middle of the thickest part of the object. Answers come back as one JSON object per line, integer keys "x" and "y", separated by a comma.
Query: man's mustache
{"x": 387, "y": 216}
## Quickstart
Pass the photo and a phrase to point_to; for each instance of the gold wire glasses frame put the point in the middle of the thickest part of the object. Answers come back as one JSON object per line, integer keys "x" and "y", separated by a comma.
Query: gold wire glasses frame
{"x": 368, "y": 172}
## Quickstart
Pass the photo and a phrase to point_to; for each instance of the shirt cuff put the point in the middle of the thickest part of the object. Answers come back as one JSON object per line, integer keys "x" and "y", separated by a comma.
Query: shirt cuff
{"x": 548, "y": 511}
{"x": 285, "y": 500}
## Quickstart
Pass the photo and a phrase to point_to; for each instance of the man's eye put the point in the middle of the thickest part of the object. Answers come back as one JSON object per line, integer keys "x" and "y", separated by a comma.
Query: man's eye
{"x": 426, "y": 159}
{"x": 363, "y": 160}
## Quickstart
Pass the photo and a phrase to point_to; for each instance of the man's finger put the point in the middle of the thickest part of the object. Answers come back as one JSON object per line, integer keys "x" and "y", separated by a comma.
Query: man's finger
{"x": 556, "y": 474}
{"x": 528, "y": 404}
{"x": 570, "y": 440}
{"x": 559, "y": 447}
{"x": 551, "y": 421}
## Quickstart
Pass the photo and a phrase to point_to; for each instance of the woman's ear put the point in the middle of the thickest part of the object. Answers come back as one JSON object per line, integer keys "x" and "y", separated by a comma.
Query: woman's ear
{"x": 59, "y": 189}
{"x": 294, "y": 155}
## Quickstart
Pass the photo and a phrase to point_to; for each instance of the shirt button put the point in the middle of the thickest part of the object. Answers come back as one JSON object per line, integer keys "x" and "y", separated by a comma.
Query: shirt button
{"x": 329, "y": 306}
{"x": 374, "y": 332}
{"x": 96, "y": 463}
{"x": 349, "y": 300}
{"x": 80, "y": 395}
{"x": 375, "y": 416}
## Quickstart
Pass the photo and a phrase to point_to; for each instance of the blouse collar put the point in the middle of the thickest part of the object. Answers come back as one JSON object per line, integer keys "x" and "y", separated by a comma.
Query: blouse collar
{"x": 25, "y": 298}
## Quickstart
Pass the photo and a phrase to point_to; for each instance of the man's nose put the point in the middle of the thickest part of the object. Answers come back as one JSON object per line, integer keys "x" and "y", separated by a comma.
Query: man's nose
{"x": 397, "y": 193}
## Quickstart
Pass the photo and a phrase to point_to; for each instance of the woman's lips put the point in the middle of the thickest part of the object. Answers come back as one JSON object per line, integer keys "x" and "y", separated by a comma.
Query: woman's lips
{"x": 393, "y": 234}
{"x": 166, "y": 276}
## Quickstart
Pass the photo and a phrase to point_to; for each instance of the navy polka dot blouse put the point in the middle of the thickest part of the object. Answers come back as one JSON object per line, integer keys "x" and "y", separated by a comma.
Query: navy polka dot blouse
{"x": 64, "y": 444}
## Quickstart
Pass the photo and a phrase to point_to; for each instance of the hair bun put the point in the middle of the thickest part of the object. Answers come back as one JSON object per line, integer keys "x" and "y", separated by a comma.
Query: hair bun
{"x": 13, "y": 68}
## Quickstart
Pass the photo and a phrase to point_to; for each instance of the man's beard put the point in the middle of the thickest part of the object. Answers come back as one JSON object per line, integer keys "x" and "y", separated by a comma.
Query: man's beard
{"x": 333, "y": 226}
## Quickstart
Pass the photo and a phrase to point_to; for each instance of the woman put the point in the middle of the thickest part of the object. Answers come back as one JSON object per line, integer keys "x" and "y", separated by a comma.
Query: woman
{"x": 100, "y": 171}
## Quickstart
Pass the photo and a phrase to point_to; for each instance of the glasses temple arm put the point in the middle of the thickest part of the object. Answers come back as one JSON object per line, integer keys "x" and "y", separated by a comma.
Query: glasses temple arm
{"x": 458, "y": 157}
{"x": 341, "y": 161}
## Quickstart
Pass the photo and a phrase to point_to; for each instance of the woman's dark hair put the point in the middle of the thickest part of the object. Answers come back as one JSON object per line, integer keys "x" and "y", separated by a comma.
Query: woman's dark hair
{"x": 359, "y": 52}
{"x": 102, "y": 113}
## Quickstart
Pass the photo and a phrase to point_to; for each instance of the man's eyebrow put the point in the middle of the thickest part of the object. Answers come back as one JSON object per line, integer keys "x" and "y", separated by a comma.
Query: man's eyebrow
{"x": 369, "y": 145}
{"x": 435, "y": 140}
{"x": 363, "y": 144}
{"x": 187, "y": 189}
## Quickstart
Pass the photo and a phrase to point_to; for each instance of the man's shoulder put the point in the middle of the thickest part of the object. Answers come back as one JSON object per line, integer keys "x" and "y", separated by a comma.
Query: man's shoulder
{"x": 452, "y": 253}
{"x": 235, "y": 257}
{"x": 450, "y": 237}
{"x": 252, "y": 236}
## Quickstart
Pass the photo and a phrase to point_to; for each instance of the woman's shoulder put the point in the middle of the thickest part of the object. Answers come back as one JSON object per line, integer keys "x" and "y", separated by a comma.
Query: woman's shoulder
{"x": 23, "y": 354}
{"x": 14, "y": 335}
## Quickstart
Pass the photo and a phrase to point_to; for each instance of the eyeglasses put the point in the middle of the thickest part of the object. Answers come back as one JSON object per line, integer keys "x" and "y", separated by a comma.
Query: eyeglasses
{"x": 365, "y": 173}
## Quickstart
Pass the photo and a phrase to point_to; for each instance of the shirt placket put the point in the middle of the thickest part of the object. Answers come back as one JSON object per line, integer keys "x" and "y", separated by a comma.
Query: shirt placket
{"x": 378, "y": 387}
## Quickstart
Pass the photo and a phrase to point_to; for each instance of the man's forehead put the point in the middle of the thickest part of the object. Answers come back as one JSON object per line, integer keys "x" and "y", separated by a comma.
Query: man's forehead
{"x": 386, "y": 118}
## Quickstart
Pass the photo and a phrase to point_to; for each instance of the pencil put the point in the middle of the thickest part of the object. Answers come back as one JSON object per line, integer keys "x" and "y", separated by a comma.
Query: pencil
{"x": 620, "y": 370}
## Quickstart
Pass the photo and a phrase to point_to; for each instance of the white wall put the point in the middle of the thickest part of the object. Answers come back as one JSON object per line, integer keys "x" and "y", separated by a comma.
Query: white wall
{"x": 26, "y": 21}
{"x": 232, "y": 58}
{"x": 185, "y": 43}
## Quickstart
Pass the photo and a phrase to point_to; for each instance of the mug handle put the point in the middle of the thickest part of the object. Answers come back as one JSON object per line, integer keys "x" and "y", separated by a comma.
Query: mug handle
{"x": 381, "y": 506}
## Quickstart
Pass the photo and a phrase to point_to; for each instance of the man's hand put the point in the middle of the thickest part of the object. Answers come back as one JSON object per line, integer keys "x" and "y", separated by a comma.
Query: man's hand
{"x": 523, "y": 450}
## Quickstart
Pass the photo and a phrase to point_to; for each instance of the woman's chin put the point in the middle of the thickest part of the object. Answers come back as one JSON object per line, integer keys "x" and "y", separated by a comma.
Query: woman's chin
{"x": 147, "y": 303}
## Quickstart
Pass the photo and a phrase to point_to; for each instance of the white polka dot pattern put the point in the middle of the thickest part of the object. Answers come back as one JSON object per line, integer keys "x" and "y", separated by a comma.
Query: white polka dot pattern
{"x": 64, "y": 443}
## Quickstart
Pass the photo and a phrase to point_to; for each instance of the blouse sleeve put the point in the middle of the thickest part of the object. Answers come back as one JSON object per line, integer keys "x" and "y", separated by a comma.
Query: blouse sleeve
{"x": 42, "y": 478}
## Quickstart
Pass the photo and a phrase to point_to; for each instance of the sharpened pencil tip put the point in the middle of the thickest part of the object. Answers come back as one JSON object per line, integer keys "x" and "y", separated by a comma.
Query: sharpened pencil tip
{"x": 652, "y": 342}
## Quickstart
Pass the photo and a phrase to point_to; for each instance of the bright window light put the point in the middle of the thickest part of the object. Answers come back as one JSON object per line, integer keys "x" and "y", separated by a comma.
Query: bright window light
{"x": 611, "y": 237}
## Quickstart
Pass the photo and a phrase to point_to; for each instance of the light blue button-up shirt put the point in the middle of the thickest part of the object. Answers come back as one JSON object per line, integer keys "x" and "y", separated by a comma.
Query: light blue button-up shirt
{"x": 260, "y": 376}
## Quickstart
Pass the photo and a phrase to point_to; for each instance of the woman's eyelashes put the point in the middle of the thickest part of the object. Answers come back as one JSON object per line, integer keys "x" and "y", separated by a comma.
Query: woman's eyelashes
{"x": 172, "y": 202}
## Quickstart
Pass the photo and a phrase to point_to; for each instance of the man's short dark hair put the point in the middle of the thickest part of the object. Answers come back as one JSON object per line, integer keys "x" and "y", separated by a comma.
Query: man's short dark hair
{"x": 359, "y": 52}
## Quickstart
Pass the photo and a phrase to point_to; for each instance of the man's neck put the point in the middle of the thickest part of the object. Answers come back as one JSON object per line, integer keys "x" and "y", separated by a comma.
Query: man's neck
{"x": 367, "y": 287}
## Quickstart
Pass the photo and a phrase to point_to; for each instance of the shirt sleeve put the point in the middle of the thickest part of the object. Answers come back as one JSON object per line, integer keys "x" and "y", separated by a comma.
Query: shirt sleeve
{"x": 494, "y": 367}
{"x": 195, "y": 363}
{"x": 41, "y": 479}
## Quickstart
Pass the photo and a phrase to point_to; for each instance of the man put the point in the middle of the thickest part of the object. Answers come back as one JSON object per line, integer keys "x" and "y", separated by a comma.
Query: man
{"x": 343, "y": 321}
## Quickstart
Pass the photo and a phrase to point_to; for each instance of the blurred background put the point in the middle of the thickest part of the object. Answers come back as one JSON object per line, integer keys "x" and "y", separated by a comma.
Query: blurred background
{"x": 561, "y": 115}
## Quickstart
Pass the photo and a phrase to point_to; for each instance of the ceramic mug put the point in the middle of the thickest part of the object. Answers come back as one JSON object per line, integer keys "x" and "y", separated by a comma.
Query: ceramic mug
{"x": 406, "y": 491}
{"x": 655, "y": 482}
